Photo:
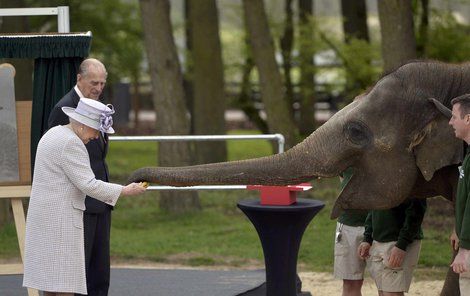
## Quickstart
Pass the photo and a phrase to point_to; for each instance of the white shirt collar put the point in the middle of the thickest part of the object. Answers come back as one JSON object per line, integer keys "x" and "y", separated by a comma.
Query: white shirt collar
{"x": 78, "y": 91}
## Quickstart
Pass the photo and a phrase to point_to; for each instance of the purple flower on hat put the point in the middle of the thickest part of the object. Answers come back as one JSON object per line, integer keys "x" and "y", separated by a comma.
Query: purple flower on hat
{"x": 106, "y": 120}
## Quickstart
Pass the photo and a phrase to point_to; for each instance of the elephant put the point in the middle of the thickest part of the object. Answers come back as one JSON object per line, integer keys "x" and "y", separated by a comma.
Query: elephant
{"x": 395, "y": 136}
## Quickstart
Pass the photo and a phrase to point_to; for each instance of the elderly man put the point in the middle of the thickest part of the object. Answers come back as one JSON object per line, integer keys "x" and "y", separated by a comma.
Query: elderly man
{"x": 460, "y": 239}
{"x": 91, "y": 79}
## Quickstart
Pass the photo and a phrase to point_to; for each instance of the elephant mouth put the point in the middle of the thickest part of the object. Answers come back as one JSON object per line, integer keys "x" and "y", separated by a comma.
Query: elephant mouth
{"x": 337, "y": 207}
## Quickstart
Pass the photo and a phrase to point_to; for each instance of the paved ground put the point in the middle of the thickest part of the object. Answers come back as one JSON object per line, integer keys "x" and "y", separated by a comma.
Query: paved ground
{"x": 163, "y": 282}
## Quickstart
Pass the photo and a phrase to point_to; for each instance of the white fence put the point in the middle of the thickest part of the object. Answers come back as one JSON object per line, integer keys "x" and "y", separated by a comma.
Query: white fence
{"x": 274, "y": 137}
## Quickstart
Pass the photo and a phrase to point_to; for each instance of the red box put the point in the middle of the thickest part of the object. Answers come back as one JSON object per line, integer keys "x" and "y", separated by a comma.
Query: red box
{"x": 279, "y": 195}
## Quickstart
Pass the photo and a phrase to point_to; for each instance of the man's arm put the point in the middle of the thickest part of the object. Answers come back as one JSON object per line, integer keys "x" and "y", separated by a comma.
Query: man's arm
{"x": 459, "y": 264}
{"x": 414, "y": 215}
{"x": 364, "y": 247}
{"x": 368, "y": 230}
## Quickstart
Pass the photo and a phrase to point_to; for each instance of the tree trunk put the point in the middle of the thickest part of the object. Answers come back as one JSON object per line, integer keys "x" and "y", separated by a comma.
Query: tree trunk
{"x": 168, "y": 97}
{"x": 396, "y": 27}
{"x": 188, "y": 84}
{"x": 354, "y": 19}
{"x": 136, "y": 100}
{"x": 306, "y": 122}
{"x": 277, "y": 110}
{"x": 208, "y": 80}
{"x": 355, "y": 27}
{"x": 287, "y": 41}
{"x": 423, "y": 27}
{"x": 245, "y": 101}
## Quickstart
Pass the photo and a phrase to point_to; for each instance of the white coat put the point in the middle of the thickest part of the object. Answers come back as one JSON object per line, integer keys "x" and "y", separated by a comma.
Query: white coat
{"x": 54, "y": 258}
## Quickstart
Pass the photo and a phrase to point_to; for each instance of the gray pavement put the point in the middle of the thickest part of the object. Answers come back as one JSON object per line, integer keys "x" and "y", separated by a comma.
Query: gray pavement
{"x": 163, "y": 282}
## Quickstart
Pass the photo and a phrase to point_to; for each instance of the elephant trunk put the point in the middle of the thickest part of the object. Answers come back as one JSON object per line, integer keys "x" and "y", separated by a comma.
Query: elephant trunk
{"x": 318, "y": 155}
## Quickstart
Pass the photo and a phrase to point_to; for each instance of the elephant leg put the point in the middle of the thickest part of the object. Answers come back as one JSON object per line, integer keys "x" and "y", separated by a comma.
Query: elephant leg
{"x": 451, "y": 283}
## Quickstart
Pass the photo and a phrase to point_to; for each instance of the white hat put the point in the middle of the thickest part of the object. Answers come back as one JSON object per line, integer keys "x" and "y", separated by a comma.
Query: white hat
{"x": 93, "y": 114}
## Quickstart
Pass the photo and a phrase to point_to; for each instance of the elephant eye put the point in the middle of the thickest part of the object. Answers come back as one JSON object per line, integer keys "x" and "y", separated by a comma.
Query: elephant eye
{"x": 358, "y": 133}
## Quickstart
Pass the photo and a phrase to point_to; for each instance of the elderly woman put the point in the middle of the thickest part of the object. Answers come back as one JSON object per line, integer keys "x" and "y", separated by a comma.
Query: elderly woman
{"x": 54, "y": 260}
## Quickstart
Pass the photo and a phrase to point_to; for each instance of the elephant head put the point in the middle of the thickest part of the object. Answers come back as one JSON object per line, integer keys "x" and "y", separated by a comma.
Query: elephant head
{"x": 395, "y": 139}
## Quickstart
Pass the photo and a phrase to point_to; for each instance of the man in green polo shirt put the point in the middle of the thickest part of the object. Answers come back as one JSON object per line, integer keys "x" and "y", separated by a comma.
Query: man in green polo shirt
{"x": 395, "y": 236}
{"x": 460, "y": 239}
{"x": 349, "y": 234}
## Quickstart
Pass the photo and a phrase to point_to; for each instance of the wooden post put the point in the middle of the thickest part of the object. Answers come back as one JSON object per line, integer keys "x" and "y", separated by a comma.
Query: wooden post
{"x": 16, "y": 194}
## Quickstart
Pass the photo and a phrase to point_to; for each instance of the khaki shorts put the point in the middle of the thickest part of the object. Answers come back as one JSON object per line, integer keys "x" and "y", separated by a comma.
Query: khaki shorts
{"x": 392, "y": 279}
{"x": 464, "y": 281}
{"x": 348, "y": 265}
{"x": 464, "y": 284}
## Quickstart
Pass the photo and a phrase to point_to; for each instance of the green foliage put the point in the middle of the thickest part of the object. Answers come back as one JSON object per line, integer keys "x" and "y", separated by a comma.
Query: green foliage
{"x": 116, "y": 28}
{"x": 360, "y": 65}
{"x": 448, "y": 39}
{"x": 348, "y": 68}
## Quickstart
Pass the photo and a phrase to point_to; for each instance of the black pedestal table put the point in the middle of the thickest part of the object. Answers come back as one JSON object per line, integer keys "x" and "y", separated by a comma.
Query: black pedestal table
{"x": 280, "y": 229}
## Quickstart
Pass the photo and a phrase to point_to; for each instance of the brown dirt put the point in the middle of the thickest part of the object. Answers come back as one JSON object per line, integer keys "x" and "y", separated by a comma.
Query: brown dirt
{"x": 320, "y": 283}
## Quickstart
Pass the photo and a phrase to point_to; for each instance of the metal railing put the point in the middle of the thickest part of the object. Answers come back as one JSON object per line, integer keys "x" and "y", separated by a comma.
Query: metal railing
{"x": 276, "y": 137}
{"x": 62, "y": 12}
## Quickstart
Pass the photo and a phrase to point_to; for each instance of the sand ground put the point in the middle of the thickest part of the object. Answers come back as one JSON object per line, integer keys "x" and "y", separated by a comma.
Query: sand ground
{"x": 319, "y": 283}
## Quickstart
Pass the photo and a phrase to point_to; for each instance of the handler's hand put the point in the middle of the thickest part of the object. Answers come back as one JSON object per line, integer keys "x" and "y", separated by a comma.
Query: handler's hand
{"x": 454, "y": 241}
{"x": 460, "y": 261}
{"x": 396, "y": 257}
{"x": 133, "y": 189}
{"x": 363, "y": 250}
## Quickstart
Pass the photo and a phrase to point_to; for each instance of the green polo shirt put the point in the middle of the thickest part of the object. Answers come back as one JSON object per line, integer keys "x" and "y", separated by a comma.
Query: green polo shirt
{"x": 401, "y": 224}
{"x": 462, "y": 205}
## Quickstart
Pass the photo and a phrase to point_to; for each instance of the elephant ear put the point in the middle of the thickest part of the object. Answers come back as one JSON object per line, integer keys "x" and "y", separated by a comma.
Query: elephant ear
{"x": 436, "y": 146}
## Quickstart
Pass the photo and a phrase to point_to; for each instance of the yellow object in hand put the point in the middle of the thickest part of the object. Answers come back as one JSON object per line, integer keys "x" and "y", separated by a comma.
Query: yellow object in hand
{"x": 145, "y": 184}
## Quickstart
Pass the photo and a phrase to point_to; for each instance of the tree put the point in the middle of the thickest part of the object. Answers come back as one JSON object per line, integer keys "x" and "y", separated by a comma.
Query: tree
{"x": 188, "y": 83}
{"x": 421, "y": 13}
{"x": 307, "y": 68}
{"x": 287, "y": 42}
{"x": 356, "y": 35}
{"x": 168, "y": 97}
{"x": 208, "y": 79}
{"x": 245, "y": 100}
{"x": 277, "y": 110}
{"x": 396, "y": 27}
{"x": 354, "y": 19}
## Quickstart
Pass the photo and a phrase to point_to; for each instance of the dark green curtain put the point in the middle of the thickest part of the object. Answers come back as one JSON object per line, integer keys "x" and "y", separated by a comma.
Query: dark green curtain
{"x": 53, "y": 78}
{"x": 56, "y": 61}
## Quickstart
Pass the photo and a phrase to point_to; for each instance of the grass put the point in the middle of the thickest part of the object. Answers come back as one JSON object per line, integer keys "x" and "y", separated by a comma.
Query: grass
{"x": 220, "y": 234}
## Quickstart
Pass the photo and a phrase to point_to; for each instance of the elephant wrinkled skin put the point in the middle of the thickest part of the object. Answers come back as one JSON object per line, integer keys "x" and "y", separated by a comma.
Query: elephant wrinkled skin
{"x": 395, "y": 138}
